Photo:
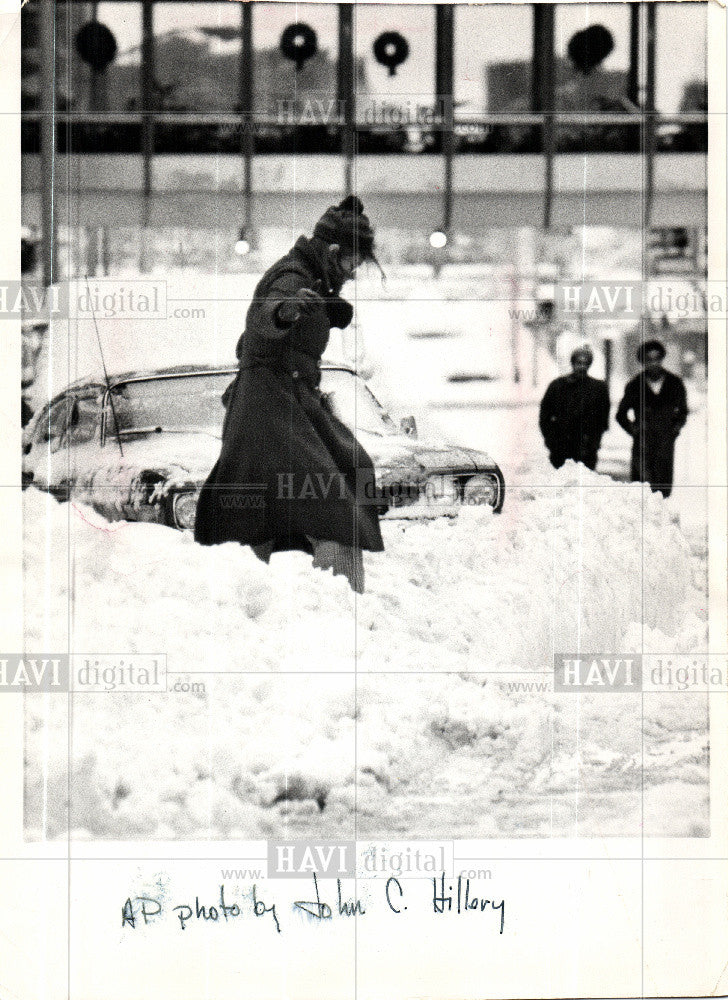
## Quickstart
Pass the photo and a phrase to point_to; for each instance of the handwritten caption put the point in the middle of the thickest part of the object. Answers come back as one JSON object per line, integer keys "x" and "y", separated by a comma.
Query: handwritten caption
{"x": 449, "y": 897}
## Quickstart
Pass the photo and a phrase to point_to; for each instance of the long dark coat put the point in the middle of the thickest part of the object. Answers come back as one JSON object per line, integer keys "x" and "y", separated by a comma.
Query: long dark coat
{"x": 288, "y": 467}
{"x": 656, "y": 421}
{"x": 573, "y": 417}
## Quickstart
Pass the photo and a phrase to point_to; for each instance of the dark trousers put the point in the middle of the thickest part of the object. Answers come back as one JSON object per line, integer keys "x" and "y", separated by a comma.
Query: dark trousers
{"x": 653, "y": 461}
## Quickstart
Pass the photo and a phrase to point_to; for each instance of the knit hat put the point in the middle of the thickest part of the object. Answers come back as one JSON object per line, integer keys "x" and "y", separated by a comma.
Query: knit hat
{"x": 583, "y": 350}
{"x": 347, "y": 225}
{"x": 650, "y": 345}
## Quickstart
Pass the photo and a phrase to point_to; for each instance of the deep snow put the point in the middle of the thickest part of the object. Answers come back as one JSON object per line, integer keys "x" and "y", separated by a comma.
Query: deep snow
{"x": 393, "y": 710}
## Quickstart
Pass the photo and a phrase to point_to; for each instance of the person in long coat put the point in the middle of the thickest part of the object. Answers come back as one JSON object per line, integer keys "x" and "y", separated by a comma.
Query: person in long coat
{"x": 653, "y": 411}
{"x": 574, "y": 413}
{"x": 290, "y": 474}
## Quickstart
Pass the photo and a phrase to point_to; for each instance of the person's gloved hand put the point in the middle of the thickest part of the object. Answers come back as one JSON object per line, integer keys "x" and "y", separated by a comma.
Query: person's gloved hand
{"x": 310, "y": 299}
{"x": 305, "y": 302}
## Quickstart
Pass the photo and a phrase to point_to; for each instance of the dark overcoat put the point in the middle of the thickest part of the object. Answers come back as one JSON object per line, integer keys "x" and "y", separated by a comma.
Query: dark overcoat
{"x": 289, "y": 469}
{"x": 655, "y": 423}
{"x": 573, "y": 417}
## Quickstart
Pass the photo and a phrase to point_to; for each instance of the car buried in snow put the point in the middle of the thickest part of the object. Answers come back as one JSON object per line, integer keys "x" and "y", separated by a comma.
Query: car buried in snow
{"x": 140, "y": 446}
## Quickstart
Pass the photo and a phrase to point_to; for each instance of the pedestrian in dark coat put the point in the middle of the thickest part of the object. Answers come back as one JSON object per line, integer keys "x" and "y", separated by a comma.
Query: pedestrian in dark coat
{"x": 653, "y": 411}
{"x": 290, "y": 474}
{"x": 575, "y": 413}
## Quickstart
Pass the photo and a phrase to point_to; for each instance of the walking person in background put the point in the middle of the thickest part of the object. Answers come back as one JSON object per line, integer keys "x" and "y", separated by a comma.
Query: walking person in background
{"x": 290, "y": 474}
{"x": 653, "y": 411}
{"x": 575, "y": 413}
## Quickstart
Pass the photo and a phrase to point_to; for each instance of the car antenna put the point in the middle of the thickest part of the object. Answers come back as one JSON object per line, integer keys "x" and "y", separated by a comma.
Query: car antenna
{"x": 106, "y": 374}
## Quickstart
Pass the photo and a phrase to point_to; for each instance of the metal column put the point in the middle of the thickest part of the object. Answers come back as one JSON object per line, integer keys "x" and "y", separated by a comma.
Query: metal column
{"x": 246, "y": 111}
{"x": 346, "y": 91}
{"x": 544, "y": 94}
{"x": 633, "y": 74}
{"x": 47, "y": 31}
{"x": 648, "y": 117}
{"x": 148, "y": 109}
{"x": 444, "y": 40}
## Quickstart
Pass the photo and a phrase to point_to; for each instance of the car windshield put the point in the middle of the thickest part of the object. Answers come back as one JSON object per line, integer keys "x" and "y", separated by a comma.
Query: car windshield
{"x": 176, "y": 403}
{"x": 354, "y": 404}
{"x": 192, "y": 402}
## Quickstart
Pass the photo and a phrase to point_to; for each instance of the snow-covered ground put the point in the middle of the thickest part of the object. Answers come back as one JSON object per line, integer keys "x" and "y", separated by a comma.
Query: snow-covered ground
{"x": 391, "y": 714}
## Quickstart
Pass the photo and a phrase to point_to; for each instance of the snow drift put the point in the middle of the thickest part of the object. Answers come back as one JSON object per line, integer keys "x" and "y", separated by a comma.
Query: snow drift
{"x": 408, "y": 709}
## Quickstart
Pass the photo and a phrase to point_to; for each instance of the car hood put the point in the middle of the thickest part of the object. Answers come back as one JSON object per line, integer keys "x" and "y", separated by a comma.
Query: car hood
{"x": 423, "y": 456}
{"x": 200, "y": 451}
{"x": 195, "y": 452}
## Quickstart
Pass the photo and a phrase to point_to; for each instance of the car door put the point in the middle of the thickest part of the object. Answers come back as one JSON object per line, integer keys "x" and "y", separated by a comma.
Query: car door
{"x": 82, "y": 436}
{"x": 64, "y": 441}
{"x": 40, "y": 464}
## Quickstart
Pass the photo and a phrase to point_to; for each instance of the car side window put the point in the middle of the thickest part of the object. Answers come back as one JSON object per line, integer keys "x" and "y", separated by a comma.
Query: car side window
{"x": 52, "y": 424}
{"x": 39, "y": 430}
{"x": 84, "y": 417}
{"x": 73, "y": 419}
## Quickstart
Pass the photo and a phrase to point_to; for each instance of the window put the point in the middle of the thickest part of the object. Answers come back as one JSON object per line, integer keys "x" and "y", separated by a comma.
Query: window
{"x": 81, "y": 89}
{"x": 681, "y": 54}
{"x": 681, "y": 74}
{"x": 117, "y": 87}
{"x": 493, "y": 55}
{"x": 592, "y": 76}
{"x": 197, "y": 48}
{"x": 492, "y": 72}
{"x": 599, "y": 69}
{"x": 196, "y": 57}
{"x": 84, "y": 417}
{"x": 295, "y": 100}
{"x": 353, "y": 403}
{"x": 31, "y": 57}
{"x": 175, "y": 404}
{"x": 73, "y": 419}
{"x": 52, "y": 424}
{"x": 30, "y": 71}
{"x": 395, "y": 102}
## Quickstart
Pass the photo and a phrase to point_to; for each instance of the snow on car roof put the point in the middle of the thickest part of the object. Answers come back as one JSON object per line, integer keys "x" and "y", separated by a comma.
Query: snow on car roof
{"x": 196, "y": 369}
{"x": 98, "y": 377}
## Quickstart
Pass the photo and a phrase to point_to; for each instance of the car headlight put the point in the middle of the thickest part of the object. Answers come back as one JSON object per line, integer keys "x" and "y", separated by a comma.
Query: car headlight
{"x": 481, "y": 491}
{"x": 184, "y": 508}
{"x": 442, "y": 491}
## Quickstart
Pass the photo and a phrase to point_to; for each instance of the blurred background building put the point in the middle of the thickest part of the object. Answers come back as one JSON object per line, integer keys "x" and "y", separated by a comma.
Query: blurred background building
{"x": 180, "y": 112}
{"x": 200, "y": 138}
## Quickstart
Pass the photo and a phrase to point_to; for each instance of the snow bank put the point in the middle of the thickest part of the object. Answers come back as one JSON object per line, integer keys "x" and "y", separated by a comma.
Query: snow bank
{"x": 455, "y": 612}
